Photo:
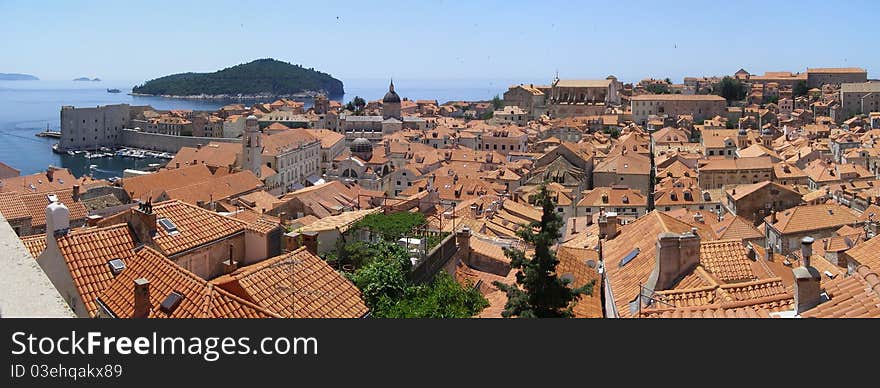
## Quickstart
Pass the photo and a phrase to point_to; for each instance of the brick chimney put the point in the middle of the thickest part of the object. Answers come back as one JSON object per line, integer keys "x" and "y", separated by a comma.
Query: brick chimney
{"x": 50, "y": 173}
{"x": 806, "y": 280}
{"x": 143, "y": 222}
{"x": 141, "y": 298}
{"x": 463, "y": 240}
{"x": 677, "y": 255}
{"x": 75, "y": 193}
{"x": 607, "y": 224}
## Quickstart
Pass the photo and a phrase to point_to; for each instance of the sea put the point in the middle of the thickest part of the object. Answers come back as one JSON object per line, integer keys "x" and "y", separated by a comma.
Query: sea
{"x": 30, "y": 107}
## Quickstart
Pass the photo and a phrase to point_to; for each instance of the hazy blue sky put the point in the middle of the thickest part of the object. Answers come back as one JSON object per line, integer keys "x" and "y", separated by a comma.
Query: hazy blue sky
{"x": 436, "y": 39}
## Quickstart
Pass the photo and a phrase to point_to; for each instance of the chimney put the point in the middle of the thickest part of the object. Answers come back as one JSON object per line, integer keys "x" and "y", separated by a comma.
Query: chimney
{"x": 141, "y": 298}
{"x": 57, "y": 223}
{"x": 230, "y": 265}
{"x": 50, "y": 173}
{"x": 806, "y": 288}
{"x": 93, "y": 220}
{"x": 768, "y": 253}
{"x": 463, "y": 240}
{"x": 573, "y": 225}
{"x": 750, "y": 252}
{"x": 75, "y": 193}
{"x": 807, "y": 250}
{"x": 677, "y": 255}
{"x": 607, "y": 224}
{"x": 773, "y": 216}
{"x": 143, "y": 223}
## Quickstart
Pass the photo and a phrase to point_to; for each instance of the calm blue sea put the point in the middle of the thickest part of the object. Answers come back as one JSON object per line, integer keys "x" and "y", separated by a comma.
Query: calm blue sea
{"x": 28, "y": 107}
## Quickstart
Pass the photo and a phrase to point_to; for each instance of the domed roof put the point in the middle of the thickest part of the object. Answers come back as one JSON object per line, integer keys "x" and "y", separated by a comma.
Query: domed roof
{"x": 361, "y": 145}
{"x": 391, "y": 96}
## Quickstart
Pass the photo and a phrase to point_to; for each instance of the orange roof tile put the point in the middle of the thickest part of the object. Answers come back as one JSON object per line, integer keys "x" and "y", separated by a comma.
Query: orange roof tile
{"x": 195, "y": 226}
{"x": 35, "y": 244}
{"x": 217, "y": 188}
{"x": 200, "y": 299}
{"x": 87, "y": 253}
{"x": 726, "y": 260}
{"x": 297, "y": 284}
{"x": 153, "y": 185}
{"x": 813, "y": 217}
{"x": 856, "y": 296}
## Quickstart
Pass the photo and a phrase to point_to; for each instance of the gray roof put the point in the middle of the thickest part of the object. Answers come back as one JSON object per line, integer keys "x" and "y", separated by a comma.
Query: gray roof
{"x": 363, "y": 118}
{"x": 865, "y": 87}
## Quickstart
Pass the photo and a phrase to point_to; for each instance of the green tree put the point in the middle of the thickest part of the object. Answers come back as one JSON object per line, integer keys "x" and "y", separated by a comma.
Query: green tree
{"x": 773, "y": 100}
{"x": 658, "y": 88}
{"x": 668, "y": 81}
{"x": 359, "y": 103}
{"x": 497, "y": 102}
{"x": 444, "y": 298}
{"x": 538, "y": 292}
{"x": 381, "y": 281}
{"x": 388, "y": 292}
{"x": 800, "y": 89}
{"x": 731, "y": 89}
{"x": 391, "y": 227}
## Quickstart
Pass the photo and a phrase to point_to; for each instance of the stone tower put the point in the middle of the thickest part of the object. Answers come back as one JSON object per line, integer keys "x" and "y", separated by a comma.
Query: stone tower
{"x": 322, "y": 104}
{"x": 252, "y": 146}
{"x": 391, "y": 104}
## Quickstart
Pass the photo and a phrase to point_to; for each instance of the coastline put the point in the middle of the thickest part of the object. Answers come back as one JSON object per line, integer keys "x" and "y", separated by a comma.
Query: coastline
{"x": 301, "y": 95}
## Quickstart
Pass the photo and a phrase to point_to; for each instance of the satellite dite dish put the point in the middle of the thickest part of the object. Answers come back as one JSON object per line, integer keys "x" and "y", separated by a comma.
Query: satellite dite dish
{"x": 568, "y": 276}
{"x": 591, "y": 263}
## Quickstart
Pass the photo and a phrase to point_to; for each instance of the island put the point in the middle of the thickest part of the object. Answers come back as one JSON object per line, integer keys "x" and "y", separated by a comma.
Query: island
{"x": 87, "y": 79}
{"x": 262, "y": 78}
{"x": 17, "y": 77}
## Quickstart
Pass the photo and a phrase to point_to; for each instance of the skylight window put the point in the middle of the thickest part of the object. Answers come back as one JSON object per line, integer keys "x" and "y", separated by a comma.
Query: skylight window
{"x": 169, "y": 226}
{"x": 116, "y": 265}
{"x": 171, "y": 302}
{"x": 629, "y": 257}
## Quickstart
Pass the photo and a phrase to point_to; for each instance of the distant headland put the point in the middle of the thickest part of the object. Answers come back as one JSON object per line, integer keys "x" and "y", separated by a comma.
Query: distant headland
{"x": 17, "y": 77}
{"x": 262, "y": 78}
{"x": 87, "y": 79}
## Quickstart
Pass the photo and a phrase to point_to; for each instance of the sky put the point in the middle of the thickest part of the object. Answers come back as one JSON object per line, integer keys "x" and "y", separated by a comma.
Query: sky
{"x": 437, "y": 39}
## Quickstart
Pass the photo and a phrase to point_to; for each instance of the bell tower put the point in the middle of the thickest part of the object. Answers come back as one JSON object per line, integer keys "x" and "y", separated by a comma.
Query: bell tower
{"x": 252, "y": 146}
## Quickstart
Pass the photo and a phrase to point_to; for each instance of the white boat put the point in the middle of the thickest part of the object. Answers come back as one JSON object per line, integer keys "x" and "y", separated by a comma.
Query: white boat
{"x": 71, "y": 153}
{"x": 93, "y": 166}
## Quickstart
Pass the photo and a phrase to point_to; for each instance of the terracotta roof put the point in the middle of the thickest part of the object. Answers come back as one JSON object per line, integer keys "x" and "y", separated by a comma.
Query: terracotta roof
{"x": 281, "y": 142}
{"x": 87, "y": 253}
{"x": 297, "y": 284}
{"x": 12, "y": 208}
{"x": 215, "y": 154}
{"x": 762, "y": 162}
{"x": 328, "y": 198}
{"x": 195, "y": 226}
{"x": 677, "y": 97}
{"x": 342, "y": 221}
{"x": 813, "y": 217}
{"x": 726, "y": 260}
{"x": 642, "y": 234}
{"x": 257, "y": 222}
{"x": 217, "y": 188}
{"x": 616, "y": 196}
{"x": 736, "y": 227}
{"x": 200, "y": 299}
{"x": 867, "y": 253}
{"x": 574, "y": 262}
{"x": 61, "y": 179}
{"x": 856, "y": 296}
{"x": 36, "y": 204}
{"x": 153, "y": 185}
{"x": 259, "y": 201}
{"x": 631, "y": 163}
{"x": 35, "y": 244}
{"x": 328, "y": 138}
{"x": 742, "y": 191}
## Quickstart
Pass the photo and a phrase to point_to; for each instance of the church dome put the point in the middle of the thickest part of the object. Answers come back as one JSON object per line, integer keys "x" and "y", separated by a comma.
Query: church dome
{"x": 391, "y": 96}
{"x": 361, "y": 145}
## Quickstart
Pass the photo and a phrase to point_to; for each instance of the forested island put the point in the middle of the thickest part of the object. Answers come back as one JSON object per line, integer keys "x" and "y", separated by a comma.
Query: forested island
{"x": 17, "y": 77}
{"x": 260, "y": 78}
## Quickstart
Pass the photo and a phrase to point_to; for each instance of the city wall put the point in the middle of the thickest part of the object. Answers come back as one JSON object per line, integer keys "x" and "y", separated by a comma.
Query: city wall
{"x": 165, "y": 143}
